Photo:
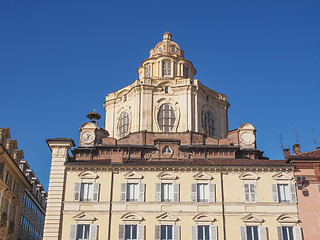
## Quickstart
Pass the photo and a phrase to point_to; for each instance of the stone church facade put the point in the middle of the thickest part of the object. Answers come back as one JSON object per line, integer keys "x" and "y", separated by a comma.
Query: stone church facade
{"x": 166, "y": 166}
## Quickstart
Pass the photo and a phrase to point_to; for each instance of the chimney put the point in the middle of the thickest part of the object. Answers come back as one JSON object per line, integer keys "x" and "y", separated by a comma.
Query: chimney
{"x": 286, "y": 153}
{"x": 296, "y": 149}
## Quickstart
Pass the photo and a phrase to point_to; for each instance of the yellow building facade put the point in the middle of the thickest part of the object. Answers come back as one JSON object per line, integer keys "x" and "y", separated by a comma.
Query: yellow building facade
{"x": 19, "y": 218}
{"x": 167, "y": 167}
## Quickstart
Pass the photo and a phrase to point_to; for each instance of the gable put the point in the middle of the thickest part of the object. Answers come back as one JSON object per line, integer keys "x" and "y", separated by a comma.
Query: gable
{"x": 84, "y": 217}
{"x": 167, "y": 176}
{"x": 88, "y": 175}
{"x": 132, "y": 217}
{"x": 202, "y": 176}
{"x": 204, "y": 218}
{"x": 250, "y": 218}
{"x": 166, "y": 217}
{"x": 284, "y": 218}
{"x": 248, "y": 176}
{"x": 282, "y": 176}
{"x": 133, "y": 175}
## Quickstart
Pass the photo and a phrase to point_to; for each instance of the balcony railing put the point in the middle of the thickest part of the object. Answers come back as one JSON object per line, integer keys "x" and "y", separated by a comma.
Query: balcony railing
{"x": 3, "y": 219}
{"x": 11, "y": 227}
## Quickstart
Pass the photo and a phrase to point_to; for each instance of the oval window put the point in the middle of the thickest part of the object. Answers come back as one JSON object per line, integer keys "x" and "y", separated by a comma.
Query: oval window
{"x": 166, "y": 117}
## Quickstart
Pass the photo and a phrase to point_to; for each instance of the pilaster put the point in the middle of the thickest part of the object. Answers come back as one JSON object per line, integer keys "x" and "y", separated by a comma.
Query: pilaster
{"x": 53, "y": 220}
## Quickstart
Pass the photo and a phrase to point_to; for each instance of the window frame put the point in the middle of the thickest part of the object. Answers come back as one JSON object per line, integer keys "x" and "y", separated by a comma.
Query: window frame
{"x": 166, "y": 118}
{"x": 166, "y": 68}
{"x": 123, "y": 124}
{"x": 147, "y": 71}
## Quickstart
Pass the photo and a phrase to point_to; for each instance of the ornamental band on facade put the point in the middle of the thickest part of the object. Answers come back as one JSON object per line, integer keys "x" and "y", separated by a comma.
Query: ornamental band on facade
{"x": 166, "y": 166}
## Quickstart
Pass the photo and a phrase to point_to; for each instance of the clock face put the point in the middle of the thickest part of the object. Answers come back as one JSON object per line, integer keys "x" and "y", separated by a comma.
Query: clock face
{"x": 247, "y": 138}
{"x": 87, "y": 137}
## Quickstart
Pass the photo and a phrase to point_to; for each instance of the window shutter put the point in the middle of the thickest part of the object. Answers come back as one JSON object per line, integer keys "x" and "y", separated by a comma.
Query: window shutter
{"x": 123, "y": 196}
{"x": 212, "y": 192}
{"x": 275, "y": 196}
{"x": 176, "y": 232}
{"x": 140, "y": 232}
{"x": 297, "y": 233}
{"x": 157, "y": 232}
{"x": 73, "y": 231}
{"x": 176, "y": 194}
{"x": 96, "y": 188}
{"x": 279, "y": 232}
{"x": 77, "y": 187}
{"x": 214, "y": 232}
{"x": 1, "y": 170}
{"x": 193, "y": 192}
{"x": 293, "y": 193}
{"x": 255, "y": 192}
{"x": 246, "y": 197}
{"x": 243, "y": 233}
{"x": 142, "y": 188}
{"x": 194, "y": 232}
{"x": 93, "y": 232}
{"x": 158, "y": 192}
{"x": 262, "y": 232}
{"x": 121, "y": 231}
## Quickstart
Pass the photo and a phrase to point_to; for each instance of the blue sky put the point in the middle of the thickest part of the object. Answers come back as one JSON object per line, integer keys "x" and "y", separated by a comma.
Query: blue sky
{"x": 59, "y": 59}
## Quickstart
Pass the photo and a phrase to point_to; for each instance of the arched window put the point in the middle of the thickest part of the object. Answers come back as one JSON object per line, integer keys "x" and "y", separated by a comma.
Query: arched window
{"x": 208, "y": 124}
{"x": 166, "y": 150}
{"x": 147, "y": 70}
{"x": 123, "y": 124}
{"x": 166, "y": 68}
{"x": 166, "y": 117}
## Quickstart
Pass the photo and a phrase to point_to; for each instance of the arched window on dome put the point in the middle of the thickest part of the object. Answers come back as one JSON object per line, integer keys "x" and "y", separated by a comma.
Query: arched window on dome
{"x": 166, "y": 117}
{"x": 185, "y": 71}
{"x": 208, "y": 124}
{"x": 123, "y": 124}
{"x": 166, "y": 68}
{"x": 147, "y": 71}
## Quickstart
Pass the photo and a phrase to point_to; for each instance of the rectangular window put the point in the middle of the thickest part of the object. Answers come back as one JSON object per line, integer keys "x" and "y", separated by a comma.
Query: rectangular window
{"x": 166, "y": 68}
{"x": 83, "y": 231}
{"x": 249, "y": 192}
{"x": 185, "y": 71}
{"x": 147, "y": 71}
{"x": 132, "y": 192}
{"x": 252, "y": 233}
{"x": 203, "y": 233}
{"x": 166, "y": 192}
{"x": 284, "y": 192}
{"x": 287, "y": 233}
{"x": 130, "y": 232}
{"x": 202, "y": 192}
{"x": 166, "y": 232}
{"x": 86, "y": 192}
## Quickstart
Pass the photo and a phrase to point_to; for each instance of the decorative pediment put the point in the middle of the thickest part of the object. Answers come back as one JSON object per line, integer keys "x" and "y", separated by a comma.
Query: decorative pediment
{"x": 284, "y": 218}
{"x": 84, "y": 217}
{"x": 250, "y": 218}
{"x": 167, "y": 176}
{"x": 202, "y": 176}
{"x": 166, "y": 217}
{"x": 282, "y": 176}
{"x": 133, "y": 175}
{"x": 88, "y": 175}
{"x": 128, "y": 217}
{"x": 248, "y": 176}
{"x": 201, "y": 218}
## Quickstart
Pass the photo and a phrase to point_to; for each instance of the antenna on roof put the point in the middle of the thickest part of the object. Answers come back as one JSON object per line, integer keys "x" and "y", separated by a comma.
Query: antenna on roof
{"x": 315, "y": 138}
{"x": 297, "y": 134}
{"x": 281, "y": 141}
{"x": 167, "y": 28}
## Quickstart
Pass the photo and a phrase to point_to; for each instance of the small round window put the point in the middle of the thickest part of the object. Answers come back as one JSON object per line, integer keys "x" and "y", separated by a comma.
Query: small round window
{"x": 123, "y": 124}
{"x": 166, "y": 117}
{"x": 166, "y": 150}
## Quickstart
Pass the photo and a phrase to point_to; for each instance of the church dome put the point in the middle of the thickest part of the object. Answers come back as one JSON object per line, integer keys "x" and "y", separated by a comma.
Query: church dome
{"x": 166, "y": 47}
